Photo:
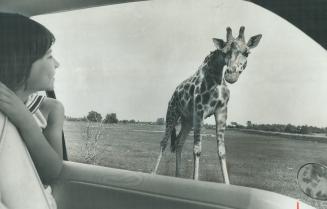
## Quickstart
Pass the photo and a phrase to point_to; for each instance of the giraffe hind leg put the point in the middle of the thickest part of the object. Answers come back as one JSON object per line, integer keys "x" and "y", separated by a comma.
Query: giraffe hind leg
{"x": 163, "y": 145}
{"x": 171, "y": 121}
{"x": 157, "y": 163}
{"x": 182, "y": 136}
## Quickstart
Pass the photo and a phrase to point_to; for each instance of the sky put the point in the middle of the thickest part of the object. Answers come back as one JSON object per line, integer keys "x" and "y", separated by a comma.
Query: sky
{"x": 128, "y": 59}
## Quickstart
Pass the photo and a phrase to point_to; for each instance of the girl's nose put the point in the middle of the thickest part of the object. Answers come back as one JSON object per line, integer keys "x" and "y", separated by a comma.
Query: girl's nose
{"x": 57, "y": 64}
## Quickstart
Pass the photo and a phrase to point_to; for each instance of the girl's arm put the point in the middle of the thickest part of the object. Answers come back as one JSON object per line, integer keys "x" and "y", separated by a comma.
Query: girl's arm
{"x": 46, "y": 159}
{"x": 54, "y": 111}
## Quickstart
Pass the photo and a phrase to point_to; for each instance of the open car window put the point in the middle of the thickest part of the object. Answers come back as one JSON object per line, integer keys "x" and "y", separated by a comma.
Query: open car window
{"x": 120, "y": 65}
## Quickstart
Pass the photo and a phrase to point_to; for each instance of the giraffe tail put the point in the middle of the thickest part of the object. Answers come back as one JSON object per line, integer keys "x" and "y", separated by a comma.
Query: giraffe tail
{"x": 173, "y": 141}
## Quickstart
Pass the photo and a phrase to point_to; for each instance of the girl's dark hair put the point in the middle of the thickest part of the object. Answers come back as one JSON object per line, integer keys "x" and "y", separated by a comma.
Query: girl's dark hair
{"x": 22, "y": 42}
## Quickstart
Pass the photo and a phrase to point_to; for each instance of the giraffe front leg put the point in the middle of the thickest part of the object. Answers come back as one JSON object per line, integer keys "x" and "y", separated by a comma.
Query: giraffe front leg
{"x": 221, "y": 118}
{"x": 197, "y": 146}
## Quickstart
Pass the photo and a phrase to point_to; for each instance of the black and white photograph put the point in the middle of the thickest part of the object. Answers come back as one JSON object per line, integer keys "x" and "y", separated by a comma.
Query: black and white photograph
{"x": 163, "y": 104}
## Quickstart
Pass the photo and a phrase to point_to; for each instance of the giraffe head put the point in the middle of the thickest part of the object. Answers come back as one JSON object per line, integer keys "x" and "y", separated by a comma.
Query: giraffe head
{"x": 235, "y": 51}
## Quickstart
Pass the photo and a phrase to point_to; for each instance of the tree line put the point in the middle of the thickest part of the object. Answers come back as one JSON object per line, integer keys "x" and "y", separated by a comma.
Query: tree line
{"x": 94, "y": 116}
{"x": 287, "y": 128}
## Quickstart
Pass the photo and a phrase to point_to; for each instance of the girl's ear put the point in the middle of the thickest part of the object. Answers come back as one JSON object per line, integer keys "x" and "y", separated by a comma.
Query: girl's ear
{"x": 219, "y": 44}
{"x": 254, "y": 41}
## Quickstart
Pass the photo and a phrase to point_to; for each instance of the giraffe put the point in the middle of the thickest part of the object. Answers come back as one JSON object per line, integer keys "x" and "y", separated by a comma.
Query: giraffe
{"x": 205, "y": 94}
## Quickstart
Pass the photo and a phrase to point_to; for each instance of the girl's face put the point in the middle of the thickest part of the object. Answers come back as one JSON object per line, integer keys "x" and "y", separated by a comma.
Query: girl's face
{"x": 42, "y": 73}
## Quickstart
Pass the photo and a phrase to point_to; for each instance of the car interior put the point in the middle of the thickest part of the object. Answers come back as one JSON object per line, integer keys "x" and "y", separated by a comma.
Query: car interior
{"x": 86, "y": 186}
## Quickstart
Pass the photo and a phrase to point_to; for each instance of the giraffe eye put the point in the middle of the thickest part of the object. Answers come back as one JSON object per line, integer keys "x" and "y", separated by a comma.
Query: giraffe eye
{"x": 246, "y": 53}
{"x": 233, "y": 45}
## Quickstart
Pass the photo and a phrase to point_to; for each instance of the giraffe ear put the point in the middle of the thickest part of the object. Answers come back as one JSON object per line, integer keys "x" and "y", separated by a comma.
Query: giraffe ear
{"x": 220, "y": 44}
{"x": 254, "y": 41}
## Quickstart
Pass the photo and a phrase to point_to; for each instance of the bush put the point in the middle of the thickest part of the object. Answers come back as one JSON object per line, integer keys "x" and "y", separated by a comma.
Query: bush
{"x": 94, "y": 116}
{"x": 291, "y": 129}
{"x": 235, "y": 125}
{"x": 305, "y": 130}
{"x": 160, "y": 121}
{"x": 111, "y": 118}
{"x": 209, "y": 126}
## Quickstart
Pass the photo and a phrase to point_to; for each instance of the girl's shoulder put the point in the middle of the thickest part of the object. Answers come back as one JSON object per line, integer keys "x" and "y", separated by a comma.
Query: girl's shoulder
{"x": 52, "y": 108}
{"x": 52, "y": 104}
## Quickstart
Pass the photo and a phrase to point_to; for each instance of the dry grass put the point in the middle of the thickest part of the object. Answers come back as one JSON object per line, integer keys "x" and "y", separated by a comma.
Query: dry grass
{"x": 264, "y": 162}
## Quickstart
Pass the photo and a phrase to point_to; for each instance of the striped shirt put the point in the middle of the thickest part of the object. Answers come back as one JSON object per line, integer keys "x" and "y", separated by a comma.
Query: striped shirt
{"x": 33, "y": 103}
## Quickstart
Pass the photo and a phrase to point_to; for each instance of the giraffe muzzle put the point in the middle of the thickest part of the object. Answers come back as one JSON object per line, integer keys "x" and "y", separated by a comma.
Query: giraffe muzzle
{"x": 231, "y": 77}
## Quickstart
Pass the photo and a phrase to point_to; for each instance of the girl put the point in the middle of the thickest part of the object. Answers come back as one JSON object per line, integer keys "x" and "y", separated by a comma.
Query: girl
{"x": 26, "y": 67}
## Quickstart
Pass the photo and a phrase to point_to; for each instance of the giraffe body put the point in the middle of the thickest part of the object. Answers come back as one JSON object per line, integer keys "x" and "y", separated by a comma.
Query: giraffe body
{"x": 201, "y": 92}
{"x": 205, "y": 94}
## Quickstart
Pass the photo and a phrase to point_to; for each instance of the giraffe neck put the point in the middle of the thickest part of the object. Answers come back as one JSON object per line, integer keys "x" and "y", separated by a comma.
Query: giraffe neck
{"x": 213, "y": 66}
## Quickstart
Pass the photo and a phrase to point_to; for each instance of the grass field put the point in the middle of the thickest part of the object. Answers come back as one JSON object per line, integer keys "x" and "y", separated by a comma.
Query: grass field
{"x": 254, "y": 160}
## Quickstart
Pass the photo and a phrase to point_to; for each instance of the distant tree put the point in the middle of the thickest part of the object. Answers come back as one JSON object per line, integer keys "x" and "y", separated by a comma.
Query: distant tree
{"x": 160, "y": 121}
{"x": 209, "y": 126}
{"x": 277, "y": 128}
{"x": 235, "y": 125}
{"x": 111, "y": 118}
{"x": 317, "y": 130}
{"x": 291, "y": 129}
{"x": 305, "y": 130}
{"x": 132, "y": 121}
{"x": 249, "y": 124}
{"x": 94, "y": 116}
